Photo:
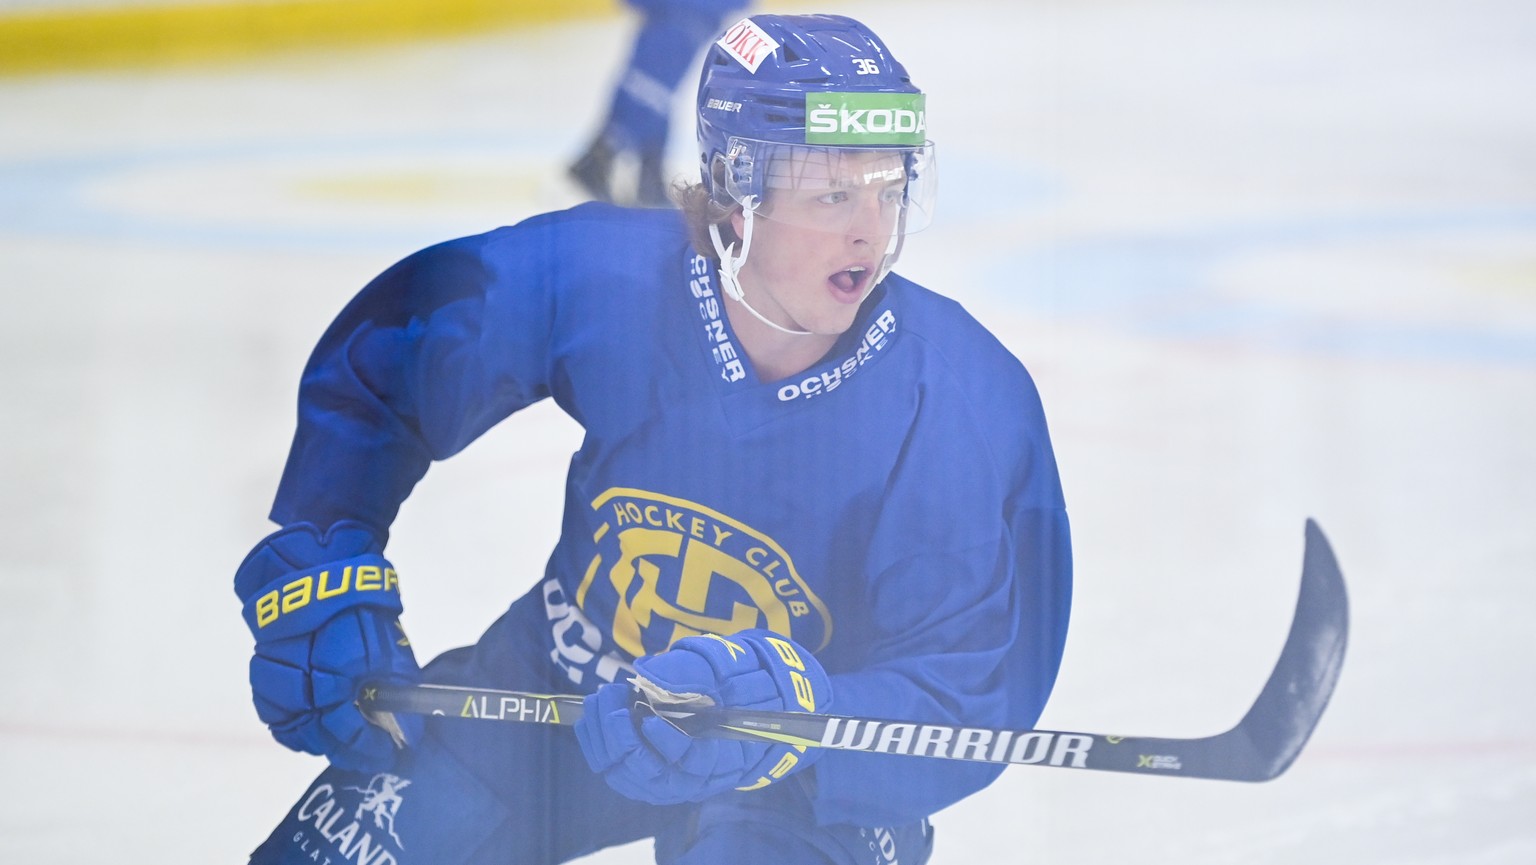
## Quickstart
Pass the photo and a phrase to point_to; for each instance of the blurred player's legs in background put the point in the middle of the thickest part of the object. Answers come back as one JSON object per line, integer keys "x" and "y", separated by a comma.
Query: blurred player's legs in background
{"x": 623, "y": 163}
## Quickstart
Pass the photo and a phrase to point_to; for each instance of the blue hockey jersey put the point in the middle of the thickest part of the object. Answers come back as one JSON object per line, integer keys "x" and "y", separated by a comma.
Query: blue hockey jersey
{"x": 895, "y": 508}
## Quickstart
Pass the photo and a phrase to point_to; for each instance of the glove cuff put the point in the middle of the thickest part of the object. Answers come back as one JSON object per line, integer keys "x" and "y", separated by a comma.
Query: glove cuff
{"x": 301, "y": 601}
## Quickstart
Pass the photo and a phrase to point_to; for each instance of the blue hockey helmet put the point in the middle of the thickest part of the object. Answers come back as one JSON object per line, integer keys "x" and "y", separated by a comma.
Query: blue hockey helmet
{"x": 785, "y": 100}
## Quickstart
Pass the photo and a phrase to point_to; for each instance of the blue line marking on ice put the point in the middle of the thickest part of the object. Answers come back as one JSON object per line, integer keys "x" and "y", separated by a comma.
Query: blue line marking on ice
{"x": 49, "y": 197}
{"x": 1157, "y": 285}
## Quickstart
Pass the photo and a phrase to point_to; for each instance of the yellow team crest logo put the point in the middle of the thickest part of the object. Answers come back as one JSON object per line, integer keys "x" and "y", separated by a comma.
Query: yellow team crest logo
{"x": 680, "y": 569}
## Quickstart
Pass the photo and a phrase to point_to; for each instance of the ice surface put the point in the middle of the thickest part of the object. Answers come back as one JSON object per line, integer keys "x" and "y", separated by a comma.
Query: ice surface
{"x": 1265, "y": 261}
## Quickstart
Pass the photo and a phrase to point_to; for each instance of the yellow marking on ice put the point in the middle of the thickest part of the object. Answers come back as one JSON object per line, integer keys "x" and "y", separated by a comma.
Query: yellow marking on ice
{"x": 40, "y": 40}
{"x": 420, "y": 187}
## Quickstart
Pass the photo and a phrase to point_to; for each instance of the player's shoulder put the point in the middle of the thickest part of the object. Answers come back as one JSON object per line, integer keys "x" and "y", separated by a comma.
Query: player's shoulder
{"x": 600, "y": 222}
{"x": 949, "y": 333}
{"x": 609, "y": 232}
{"x": 963, "y": 364}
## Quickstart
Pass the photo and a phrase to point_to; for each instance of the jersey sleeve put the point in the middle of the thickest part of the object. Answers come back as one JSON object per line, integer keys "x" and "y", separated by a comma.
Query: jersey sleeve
{"x": 428, "y": 356}
{"x": 970, "y": 586}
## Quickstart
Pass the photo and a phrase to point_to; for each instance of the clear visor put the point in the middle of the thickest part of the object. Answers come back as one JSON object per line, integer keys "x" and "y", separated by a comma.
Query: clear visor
{"x": 877, "y": 191}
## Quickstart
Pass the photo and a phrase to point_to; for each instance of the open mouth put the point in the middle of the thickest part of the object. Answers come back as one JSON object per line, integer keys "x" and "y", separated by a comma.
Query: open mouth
{"x": 851, "y": 281}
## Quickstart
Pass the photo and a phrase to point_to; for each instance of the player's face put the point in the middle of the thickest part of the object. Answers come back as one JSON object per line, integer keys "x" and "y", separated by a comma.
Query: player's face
{"x": 821, "y": 236}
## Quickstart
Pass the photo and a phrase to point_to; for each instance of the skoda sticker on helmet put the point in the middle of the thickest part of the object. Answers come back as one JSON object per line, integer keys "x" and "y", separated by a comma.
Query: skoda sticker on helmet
{"x": 866, "y": 118}
{"x": 748, "y": 43}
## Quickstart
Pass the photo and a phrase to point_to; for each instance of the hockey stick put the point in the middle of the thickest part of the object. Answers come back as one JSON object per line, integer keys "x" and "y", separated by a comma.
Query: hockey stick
{"x": 1262, "y": 745}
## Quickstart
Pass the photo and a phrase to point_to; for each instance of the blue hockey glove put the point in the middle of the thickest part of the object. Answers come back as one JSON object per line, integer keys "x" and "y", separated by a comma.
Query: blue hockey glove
{"x": 646, "y": 758}
{"x": 324, "y": 609}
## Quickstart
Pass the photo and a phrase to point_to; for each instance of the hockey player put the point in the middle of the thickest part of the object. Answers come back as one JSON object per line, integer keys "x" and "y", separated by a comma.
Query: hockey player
{"x": 623, "y": 162}
{"x": 807, "y": 484}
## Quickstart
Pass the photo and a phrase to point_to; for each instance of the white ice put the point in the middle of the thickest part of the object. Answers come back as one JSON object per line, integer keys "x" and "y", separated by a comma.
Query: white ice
{"x": 1265, "y": 260}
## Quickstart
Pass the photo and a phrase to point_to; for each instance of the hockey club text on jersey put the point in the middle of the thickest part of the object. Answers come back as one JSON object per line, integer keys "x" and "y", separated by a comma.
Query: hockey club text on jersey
{"x": 762, "y": 559}
{"x": 876, "y": 337}
{"x": 748, "y": 43}
{"x": 722, "y": 347}
{"x": 958, "y": 743}
{"x": 363, "y": 836}
{"x": 664, "y": 568}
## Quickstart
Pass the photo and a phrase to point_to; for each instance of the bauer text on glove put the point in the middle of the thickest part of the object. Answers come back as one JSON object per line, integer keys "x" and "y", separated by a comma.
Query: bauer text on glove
{"x": 324, "y": 608}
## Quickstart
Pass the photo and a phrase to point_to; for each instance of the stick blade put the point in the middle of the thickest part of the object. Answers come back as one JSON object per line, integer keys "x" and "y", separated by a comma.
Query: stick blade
{"x": 1283, "y": 717}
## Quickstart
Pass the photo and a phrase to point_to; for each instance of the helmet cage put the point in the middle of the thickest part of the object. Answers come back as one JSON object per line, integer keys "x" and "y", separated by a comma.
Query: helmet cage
{"x": 750, "y": 172}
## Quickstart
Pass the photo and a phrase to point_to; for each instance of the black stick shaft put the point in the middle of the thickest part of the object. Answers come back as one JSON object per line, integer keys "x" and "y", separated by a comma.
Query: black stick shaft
{"x": 1259, "y": 748}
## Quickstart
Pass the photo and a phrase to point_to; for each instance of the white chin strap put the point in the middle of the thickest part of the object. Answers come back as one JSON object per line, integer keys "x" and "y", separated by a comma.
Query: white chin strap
{"x": 730, "y": 265}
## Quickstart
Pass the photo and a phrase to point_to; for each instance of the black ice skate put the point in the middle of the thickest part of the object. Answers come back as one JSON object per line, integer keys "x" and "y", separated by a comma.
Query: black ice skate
{"x": 620, "y": 175}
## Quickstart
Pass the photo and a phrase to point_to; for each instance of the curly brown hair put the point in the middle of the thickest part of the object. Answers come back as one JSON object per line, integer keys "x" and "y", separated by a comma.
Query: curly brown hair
{"x": 700, "y": 212}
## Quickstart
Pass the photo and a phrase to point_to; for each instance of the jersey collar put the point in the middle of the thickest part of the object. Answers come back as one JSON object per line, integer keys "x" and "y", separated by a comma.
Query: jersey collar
{"x": 869, "y": 339}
